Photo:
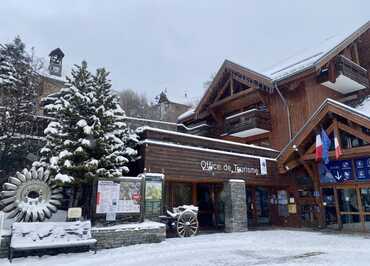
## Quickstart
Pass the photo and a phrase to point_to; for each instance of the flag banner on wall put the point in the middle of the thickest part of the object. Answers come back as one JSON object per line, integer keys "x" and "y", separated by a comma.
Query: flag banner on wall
{"x": 263, "y": 166}
{"x": 325, "y": 146}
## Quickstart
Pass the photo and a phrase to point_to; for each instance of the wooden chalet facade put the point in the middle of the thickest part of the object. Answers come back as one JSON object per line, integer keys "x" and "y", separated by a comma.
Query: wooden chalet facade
{"x": 281, "y": 110}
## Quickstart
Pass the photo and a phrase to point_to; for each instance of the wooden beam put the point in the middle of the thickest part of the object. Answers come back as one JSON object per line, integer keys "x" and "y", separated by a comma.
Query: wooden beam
{"x": 224, "y": 87}
{"x": 235, "y": 96}
{"x": 347, "y": 153}
{"x": 355, "y": 132}
{"x": 231, "y": 86}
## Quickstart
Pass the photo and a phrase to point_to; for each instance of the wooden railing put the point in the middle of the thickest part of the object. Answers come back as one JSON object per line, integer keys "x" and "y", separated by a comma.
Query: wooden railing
{"x": 352, "y": 70}
{"x": 250, "y": 119}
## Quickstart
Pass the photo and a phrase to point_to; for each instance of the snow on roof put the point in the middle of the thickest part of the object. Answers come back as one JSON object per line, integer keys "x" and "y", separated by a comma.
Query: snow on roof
{"x": 207, "y": 139}
{"x": 45, "y": 73}
{"x": 364, "y": 107}
{"x": 167, "y": 144}
{"x": 306, "y": 58}
{"x": 186, "y": 114}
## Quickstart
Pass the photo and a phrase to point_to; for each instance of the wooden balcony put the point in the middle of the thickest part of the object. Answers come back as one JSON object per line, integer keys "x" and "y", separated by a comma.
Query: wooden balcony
{"x": 350, "y": 76}
{"x": 352, "y": 70}
{"x": 249, "y": 123}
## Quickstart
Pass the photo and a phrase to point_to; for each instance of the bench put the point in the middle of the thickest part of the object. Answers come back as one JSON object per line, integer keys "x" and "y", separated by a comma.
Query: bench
{"x": 50, "y": 235}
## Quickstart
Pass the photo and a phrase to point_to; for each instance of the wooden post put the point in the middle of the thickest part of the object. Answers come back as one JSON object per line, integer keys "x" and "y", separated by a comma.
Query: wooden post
{"x": 340, "y": 225}
{"x": 359, "y": 202}
{"x": 318, "y": 198}
{"x": 194, "y": 194}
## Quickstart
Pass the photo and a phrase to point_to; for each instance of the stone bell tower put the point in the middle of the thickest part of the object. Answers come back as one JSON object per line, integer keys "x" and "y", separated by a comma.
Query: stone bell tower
{"x": 55, "y": 65}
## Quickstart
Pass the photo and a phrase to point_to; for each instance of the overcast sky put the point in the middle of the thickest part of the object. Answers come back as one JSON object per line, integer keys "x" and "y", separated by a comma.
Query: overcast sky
{"x": 178, "y": 45}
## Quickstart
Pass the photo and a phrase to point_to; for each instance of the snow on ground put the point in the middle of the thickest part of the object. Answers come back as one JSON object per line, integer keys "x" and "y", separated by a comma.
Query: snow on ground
{"x": 272, "y": 247}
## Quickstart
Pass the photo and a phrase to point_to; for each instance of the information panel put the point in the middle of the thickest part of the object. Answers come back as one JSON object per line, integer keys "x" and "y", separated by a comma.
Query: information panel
{"x": 129, "y": 196}
{"x": 336, "y": 171}
{"x": 122, "y": 196}
{"x": 153, "y": 195}
{"x": 362, "y": 168}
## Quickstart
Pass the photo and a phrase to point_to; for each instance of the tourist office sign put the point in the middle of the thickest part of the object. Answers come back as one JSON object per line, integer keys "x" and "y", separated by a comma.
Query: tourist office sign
{"x": 233, "y": 168}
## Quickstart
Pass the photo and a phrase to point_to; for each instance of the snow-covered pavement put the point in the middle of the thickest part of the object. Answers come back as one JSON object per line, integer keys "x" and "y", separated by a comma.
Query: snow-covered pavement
{"x": 273, "y": 247}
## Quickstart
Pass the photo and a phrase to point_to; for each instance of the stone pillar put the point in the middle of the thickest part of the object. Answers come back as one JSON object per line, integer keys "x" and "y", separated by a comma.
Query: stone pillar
{"x": 235, "y": 206}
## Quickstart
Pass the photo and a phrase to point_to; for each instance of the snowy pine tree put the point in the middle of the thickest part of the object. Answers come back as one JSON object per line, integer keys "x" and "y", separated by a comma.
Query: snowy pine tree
{"x": 114, "y": 141}
{"x": 19, "y": 84}
{"x": 88, "y": 139}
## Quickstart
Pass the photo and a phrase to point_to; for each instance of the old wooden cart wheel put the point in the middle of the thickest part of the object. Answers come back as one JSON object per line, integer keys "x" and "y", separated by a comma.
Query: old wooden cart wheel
{"x": 187, "y": 224}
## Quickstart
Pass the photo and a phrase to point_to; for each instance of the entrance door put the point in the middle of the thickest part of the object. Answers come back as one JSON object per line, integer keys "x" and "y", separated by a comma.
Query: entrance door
{"x": 262, "y": 205}
{"x": 250, "y": 214}
{"x": 210, "y": 201}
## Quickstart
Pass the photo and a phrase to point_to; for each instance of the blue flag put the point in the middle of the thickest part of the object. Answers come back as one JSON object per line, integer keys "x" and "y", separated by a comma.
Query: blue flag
{"x": 325, "y": 146}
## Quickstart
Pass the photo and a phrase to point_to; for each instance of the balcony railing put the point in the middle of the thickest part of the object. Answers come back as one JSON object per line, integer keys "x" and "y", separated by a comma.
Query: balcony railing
{"x": 352, "y": 70}
{"x": 251, "y": 122}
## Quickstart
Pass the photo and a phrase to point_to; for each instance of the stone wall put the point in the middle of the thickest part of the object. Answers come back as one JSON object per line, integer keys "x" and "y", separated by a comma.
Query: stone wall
{"x": 235, "y": 206}
{"x": 131, "y": 234}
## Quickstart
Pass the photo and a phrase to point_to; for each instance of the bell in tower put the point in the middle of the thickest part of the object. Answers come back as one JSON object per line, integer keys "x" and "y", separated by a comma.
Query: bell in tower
{"x": 55, "y": 65}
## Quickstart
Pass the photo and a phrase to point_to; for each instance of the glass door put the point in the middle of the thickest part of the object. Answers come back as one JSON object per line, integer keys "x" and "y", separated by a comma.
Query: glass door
{"x": 348, "y": 202}
{"x": 262, "y": 205}
{"x": 329, "y": 202}
{"x": 249, "y": 199}
{"x": 365, "y": 203}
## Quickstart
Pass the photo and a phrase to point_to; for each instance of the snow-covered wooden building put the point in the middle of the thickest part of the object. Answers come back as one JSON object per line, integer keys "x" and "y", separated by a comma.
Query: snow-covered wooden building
{"x": 250, "y": 142}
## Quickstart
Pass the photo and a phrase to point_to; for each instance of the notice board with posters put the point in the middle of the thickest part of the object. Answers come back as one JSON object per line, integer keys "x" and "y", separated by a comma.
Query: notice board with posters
{"x": 120, "y": 199}
{"x": 153, "y": 195}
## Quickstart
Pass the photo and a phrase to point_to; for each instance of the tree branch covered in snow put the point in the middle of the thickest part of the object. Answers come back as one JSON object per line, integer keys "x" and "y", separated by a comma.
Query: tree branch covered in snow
{"x": 19, "y": 86}
{"x": 89, "y": 138}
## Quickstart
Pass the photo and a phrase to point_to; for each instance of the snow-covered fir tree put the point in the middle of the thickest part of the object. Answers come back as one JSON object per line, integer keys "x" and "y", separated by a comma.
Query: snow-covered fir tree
{"x": 19, "y": 84}
{"x": 88, "y": 139}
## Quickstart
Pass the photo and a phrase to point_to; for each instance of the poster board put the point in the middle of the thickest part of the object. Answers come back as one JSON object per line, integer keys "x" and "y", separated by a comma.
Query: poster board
{"x": 292, "y": 208}
{"x": 129, "y": 200}
{"x": 153, "y": 196}
{"x": 120, "y": 198}
{"x": 107, "y": 197}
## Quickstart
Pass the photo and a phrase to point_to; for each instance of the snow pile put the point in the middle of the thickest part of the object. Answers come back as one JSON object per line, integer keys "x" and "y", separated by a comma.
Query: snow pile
{"x": 264, "y": 247}
{"x": 64, "y": 178}
{"x": 132, "y": 226}
{"x": 188, "y": 113}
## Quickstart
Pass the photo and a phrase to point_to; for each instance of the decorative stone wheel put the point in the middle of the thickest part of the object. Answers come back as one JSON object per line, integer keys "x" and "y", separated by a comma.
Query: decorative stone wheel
{"x": 187, "y": 224}
{"x": 30, "y": 196}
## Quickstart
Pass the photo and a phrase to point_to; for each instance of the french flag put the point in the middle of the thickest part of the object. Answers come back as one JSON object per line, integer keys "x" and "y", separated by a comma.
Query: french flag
{"x": 319, "y": 148}
{"x": 338, "y": 150}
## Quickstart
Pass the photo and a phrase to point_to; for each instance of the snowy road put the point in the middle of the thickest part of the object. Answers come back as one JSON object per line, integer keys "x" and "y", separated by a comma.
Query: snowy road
{"x": 275, "y": 247}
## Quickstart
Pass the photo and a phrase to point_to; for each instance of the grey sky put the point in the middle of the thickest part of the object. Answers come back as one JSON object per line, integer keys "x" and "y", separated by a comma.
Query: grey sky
{"x": 151, "y": 45}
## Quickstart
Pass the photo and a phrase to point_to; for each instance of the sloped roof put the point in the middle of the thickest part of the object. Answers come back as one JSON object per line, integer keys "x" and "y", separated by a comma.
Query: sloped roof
{"x": 329, "y": 105}
{"x": 313, "y": 58}
{"x": 316, "y": 56}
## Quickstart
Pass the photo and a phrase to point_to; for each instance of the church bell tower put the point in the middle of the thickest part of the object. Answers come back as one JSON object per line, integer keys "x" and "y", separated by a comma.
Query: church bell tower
{"x": 55, "y": 65}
